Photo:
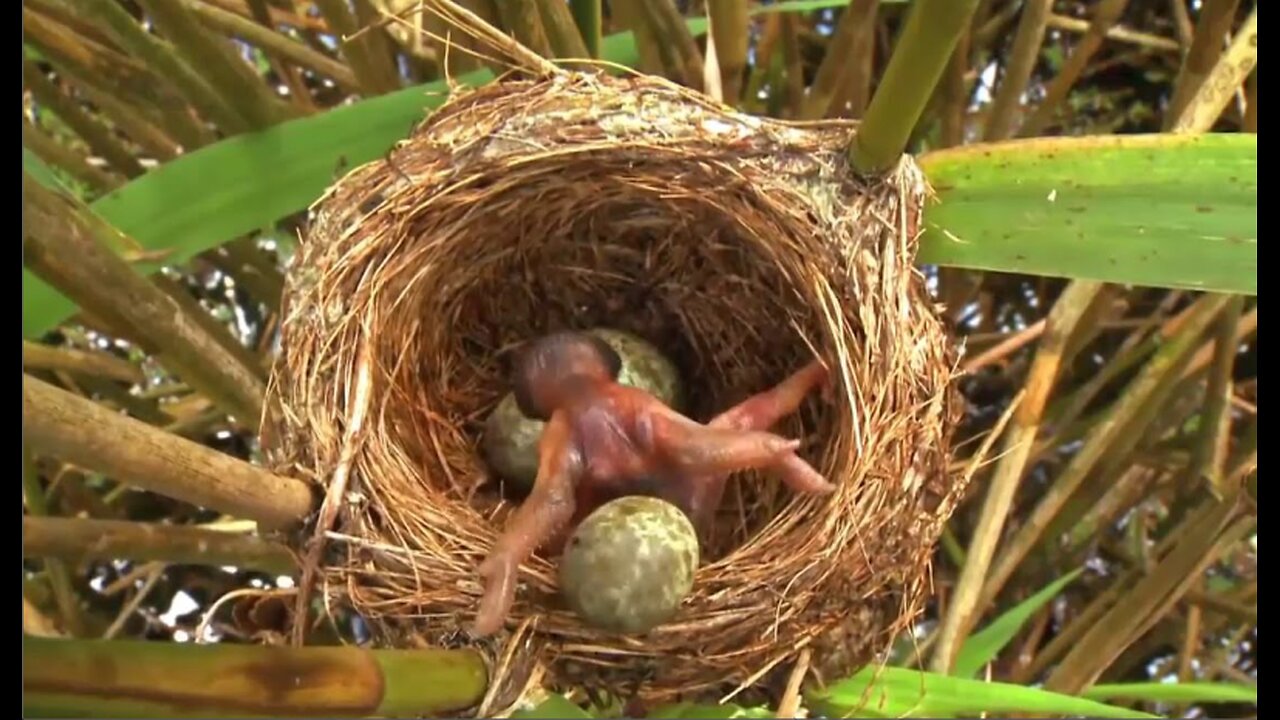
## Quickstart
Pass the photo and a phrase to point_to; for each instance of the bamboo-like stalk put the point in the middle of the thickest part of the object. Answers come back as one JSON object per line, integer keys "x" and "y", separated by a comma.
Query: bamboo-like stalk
{"x": 963, "y": 611}
{"x": 83, "y": 362}
{"x": 95, "y": 135}
{"x": 1106, "y": 14}
{"x": 80, "y": 431}
{"x": 852, "y": 33}
{"x": 189, "y": 307}
{"x": 135, "y": 124}
{"x": 67, "y": 246}
{"x": 932, "y": 30}
{"x": 670, "y": 31}
{"x": 381, "y": 46}
{"x": 64, "y": 595}
{"x": 162, "y": 58}
{"x": 368, "y": 69}
{"x": 1209, "y": 453}
{"x": 731, "y": 33}
{"x": 1117, "y": 33}
{"x": 588, "y": 17}
{"x": 653, "y": 58}
{"x": 1017, "y": 72}
{"x": 1251, "y": 100}
{"x": 562, "y": 32}
{"x": 1220, "y": 85}
{"x": 84, "y": 539}
{"x": 793, "y": 64}
{"x": 1212, "y": 26}
{"x": 226, "y": 73}
{"x": 128, "y": 678}
{"x": 55, "y": 153}
{"x": 260, "y": 16}
{"x": 523, "y": 19}
{"x": 1114, "y": 434}
{"x": 282, "y": 47}
{"x": 1205, "y": 535}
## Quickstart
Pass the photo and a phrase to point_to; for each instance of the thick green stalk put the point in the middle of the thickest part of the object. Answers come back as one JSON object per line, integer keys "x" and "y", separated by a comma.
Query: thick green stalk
{"x": 97, "y": 136}
{"x": 587, "y": 16}
{"x": 87, "y": 539}
{"x": 671, "y": 31}
{"x": 523, "y": 19}
{"x": 923, "y": 50}
{"x": 95, "y": 678}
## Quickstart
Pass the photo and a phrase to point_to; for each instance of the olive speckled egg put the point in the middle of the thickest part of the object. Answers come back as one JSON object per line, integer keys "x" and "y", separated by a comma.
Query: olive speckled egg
{"x": 510, "y": 441}
{"x": 629, "y": 565}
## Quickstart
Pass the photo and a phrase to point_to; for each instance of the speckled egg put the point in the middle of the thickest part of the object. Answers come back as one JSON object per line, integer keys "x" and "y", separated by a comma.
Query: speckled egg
{"x": 629, "y": 565}
{"x": 510, "y": 441}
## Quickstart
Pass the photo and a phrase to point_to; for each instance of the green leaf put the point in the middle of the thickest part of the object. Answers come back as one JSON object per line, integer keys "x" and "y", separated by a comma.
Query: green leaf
{"x": 1191, "y": 692}
{"x": 901, "y": 692}
{"x": 1158, "y": 210}
{"x": 693, "y": 711}
{"x": 982, "y": 647}
{"x": 555, "y": 706}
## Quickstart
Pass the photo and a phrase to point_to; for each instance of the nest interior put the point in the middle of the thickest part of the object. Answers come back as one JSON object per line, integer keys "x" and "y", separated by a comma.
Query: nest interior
{"x": 737, "y": 245}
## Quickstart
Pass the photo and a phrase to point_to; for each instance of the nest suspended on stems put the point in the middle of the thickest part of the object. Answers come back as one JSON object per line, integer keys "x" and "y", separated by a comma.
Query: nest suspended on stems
{"x": 739, "y": 246}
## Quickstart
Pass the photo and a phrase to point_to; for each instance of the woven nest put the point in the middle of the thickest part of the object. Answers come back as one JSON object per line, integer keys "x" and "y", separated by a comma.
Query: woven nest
{"x": 737, "y": 245}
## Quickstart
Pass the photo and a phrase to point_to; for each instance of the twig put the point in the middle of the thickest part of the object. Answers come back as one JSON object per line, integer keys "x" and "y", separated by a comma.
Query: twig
{"x": 132, "y": 606}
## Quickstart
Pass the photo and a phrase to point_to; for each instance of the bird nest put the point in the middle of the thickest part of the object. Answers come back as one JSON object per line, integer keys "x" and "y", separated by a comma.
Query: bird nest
{"x": 741, "y": 247}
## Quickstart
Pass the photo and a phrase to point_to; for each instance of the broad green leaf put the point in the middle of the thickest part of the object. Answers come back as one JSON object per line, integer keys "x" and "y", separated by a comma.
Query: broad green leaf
{"x": 555, "y": 706}
{"x": 1192, "y": 692}
{"x": 1158, "y": 210}
{"x": 982, "y": 647}
{"x": 901, "y": 692}
{"x": 692, "y": 711}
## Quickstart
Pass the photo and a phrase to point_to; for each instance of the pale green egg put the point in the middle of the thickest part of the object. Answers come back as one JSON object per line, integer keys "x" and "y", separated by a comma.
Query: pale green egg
{"x": 629, "y": 565}
{"x": 510, "y": 441}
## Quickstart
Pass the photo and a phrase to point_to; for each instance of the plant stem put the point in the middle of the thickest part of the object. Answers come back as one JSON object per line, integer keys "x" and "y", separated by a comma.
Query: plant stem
{"x": 284, "y": 47}
{"x": 162, "y": 58}
{"x": 55, "y": 153}
{"x": 850, "y": 41}
{"x": 731, "y": 33}
{"x": 562, "y": 33}
{"x": 84, "y": 539}
{"x": 1062, "y": 323}
{"x": 933, "y": 28}
{"x": 1220, "y": 85}
{"x": 587, "y": 16}
{"x": 370, "y": 70}
{"x": 94, "y": 134}
{"x": 1022, "y": 60}
{"x": 1106, "y": 13}
{"x": 83, "y": 362}
{"x": 124, "y": 678}
{"x": 1209, "y": 453}
{"x": 66, "y": 245}
{"x": 1112, "y": 435}
{"x": 59, "y": 577}
{"x": 1212, "y": 26}
{"x": 79, "y": 431}
{"x": 671, "y": 32}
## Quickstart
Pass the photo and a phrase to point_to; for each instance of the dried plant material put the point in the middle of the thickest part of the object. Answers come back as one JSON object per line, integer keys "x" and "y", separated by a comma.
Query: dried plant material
{"x": 740, "y": 246}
